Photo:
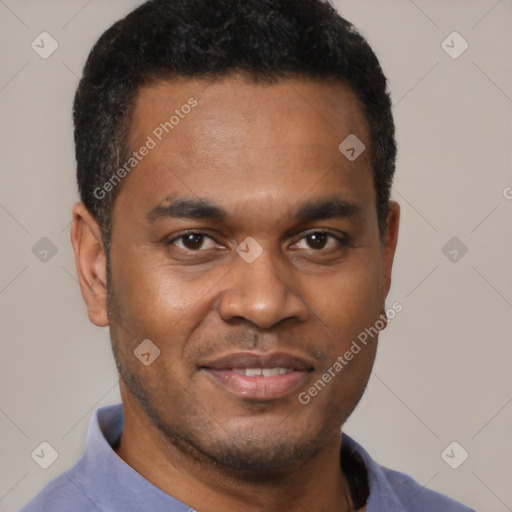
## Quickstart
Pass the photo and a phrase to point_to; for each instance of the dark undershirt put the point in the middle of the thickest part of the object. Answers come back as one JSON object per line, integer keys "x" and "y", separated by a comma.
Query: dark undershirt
{"x": 355, "y": 471}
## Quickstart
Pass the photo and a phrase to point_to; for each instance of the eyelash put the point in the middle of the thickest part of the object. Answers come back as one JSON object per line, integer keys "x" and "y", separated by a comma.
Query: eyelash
{"x": 342, "y": 241}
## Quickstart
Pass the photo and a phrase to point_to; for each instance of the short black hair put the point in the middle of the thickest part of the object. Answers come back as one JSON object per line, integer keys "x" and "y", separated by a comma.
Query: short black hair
{"x": 265, "y": 40}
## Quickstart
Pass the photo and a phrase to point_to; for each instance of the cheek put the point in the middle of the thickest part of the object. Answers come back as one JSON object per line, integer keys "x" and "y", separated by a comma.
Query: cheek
{"x": 349, "y": 301}
{"x": 153, "y": 295}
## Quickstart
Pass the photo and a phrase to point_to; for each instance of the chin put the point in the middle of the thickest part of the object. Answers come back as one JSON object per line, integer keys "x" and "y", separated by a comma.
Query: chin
{"x": 253, "y": 450}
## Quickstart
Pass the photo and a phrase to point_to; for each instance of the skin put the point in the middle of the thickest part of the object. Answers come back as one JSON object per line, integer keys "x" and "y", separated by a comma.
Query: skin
{"x": 259, "y": 152}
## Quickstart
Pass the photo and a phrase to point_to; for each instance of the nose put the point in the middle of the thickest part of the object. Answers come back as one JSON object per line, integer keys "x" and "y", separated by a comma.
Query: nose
{"x": 263, "y": 292}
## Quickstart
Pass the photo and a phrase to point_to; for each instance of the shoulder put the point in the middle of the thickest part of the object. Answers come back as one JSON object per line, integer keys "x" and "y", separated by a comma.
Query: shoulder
{"x": 416, "y": 497}
{"x": 82, "y": 487}
{"x": 390, "y": 489}
{"x": 61, "y": 494}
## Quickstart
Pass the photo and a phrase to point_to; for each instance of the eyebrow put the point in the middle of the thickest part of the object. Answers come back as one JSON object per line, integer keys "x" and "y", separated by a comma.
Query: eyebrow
{"x": 199, "y": 209}
{"x": 332, "y": 208}
{"x": 186, "y": 208}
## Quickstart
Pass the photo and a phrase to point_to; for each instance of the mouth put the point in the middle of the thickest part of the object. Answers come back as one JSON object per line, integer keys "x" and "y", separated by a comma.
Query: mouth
{"x": 259, "y": 376}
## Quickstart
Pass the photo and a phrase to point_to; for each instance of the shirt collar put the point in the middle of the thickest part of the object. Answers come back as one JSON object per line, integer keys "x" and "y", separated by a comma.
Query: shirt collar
{"x": 382, "y": 496}
{"x": 111, "y": 484}
{"x": 107, "y": 480}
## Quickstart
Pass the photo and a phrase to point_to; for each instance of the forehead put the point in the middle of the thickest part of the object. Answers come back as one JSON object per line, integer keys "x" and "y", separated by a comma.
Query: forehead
{"x": 242, "y": 142}
{"x": 330, "y": 110}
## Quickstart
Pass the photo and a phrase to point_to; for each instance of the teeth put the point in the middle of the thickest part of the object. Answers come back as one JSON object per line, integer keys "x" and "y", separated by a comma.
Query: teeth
{"x": 262, "y": 372}
{"x": 253, "y": 372}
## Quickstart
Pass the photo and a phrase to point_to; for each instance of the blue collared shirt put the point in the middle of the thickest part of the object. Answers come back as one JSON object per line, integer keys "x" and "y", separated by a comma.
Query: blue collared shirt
{"x": 102, "y": 482}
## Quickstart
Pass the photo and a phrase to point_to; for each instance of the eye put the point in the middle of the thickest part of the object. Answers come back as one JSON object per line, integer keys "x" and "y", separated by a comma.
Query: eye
{"x": 321, "y": 240}
{"x": 193, "y": 242}
{"x": 318, "y": 240}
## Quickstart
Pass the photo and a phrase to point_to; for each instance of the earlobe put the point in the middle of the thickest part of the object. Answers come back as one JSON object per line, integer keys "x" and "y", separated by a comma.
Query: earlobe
{"x": 389, "y": 245}
{"x": 90, "y": 262}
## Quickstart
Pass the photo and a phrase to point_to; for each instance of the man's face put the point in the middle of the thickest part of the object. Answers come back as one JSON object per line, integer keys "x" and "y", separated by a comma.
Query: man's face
{"x": 258, "y": 161}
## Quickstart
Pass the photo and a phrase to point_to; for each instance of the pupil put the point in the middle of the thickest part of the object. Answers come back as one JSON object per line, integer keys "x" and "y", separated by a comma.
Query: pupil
{"x": 193, "y": 241}
{"x": 318, "y": 239}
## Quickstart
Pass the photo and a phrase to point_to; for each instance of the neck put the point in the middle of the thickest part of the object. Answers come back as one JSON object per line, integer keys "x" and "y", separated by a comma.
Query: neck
{"x": 317, "y": 484}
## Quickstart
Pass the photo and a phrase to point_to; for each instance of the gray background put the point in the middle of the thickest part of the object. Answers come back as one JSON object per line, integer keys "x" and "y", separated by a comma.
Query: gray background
{"x": 443, "y": 368}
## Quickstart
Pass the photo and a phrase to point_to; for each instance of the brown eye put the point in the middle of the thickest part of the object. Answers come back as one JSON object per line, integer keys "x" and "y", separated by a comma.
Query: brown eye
{"x": 320, "y": 240}
{"x": 193, "y": 242}
{"x": 317, "y": 240}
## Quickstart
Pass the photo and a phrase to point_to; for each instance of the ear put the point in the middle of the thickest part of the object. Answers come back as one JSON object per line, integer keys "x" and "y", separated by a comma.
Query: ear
{"x": 91, "y": 264}
{"x": 388, "y": 246}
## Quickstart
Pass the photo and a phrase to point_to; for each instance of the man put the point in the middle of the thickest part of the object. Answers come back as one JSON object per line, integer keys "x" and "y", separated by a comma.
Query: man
{"x": 235, "y": 233}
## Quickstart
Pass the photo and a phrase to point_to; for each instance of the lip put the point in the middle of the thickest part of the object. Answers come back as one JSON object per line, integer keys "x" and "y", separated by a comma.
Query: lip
{"x": 259, "y": 360}
{"x": 221, "y": 370}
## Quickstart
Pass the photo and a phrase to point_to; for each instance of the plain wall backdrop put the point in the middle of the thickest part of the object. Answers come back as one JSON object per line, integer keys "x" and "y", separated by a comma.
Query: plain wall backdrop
{"x": 443, "y": 368}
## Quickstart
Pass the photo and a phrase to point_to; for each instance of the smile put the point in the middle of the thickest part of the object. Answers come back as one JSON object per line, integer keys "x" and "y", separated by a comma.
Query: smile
{"x": 259, "y": 383}
{"x": 259, "y": 376}
{"x": 265, "y": 372}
